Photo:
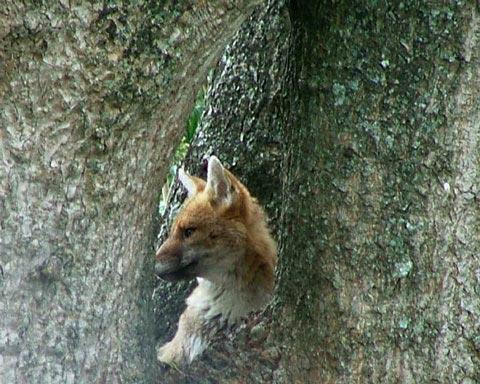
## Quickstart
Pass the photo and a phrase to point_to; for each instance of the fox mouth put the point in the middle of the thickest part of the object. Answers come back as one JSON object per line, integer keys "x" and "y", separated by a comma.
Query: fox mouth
{"x": 183, "y": 272}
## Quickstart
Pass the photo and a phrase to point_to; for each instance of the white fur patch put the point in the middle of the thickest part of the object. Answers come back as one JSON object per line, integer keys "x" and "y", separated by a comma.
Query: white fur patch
{"x": 218, "y": 182}
{"x": 187, "y": 182}
{"x": 195, "y": 346}
{"x": 229, "y": 302}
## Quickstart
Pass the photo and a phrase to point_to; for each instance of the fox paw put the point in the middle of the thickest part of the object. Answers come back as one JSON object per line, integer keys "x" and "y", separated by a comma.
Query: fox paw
{"x": 169, "y": 356}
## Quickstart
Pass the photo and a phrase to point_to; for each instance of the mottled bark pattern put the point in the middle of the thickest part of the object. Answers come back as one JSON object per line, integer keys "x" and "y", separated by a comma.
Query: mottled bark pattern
{"x": 93, "y": 99}
{"x": 357, "y": 127}
{"x": 247, "y": 106}
{"x": 378, "y": 213}
{"x": 379, "y": 273}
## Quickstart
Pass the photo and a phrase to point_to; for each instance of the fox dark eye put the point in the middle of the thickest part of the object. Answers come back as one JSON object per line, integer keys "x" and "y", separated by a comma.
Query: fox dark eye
{"x": 187, "y": 232}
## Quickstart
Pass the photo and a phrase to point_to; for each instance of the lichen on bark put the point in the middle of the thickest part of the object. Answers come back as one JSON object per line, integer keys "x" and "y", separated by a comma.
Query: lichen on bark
{"x": 357, "y": 128}
{"x": 375, "y": 198}
{"x": 368, "y": 205}
{"x": 93, "y": 100}
{"x": 247, "y": 104}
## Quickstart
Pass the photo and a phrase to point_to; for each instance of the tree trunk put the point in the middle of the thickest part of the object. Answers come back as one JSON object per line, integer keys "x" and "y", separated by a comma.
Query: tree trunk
{"x": 247, "y": 107}
{"x": 93, "y": 100}
{"x": 365, "y": 126}
{"x": 379, "y": 274}
{"x": 357, "y": 128}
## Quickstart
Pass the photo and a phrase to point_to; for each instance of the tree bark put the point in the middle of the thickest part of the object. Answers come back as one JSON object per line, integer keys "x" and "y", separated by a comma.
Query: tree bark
{"x": 247, "y": 107}
{"x": 93, "y": 99}
{"x": 357, "y": 128}
{"x": 386, "y": 285}
{"x": 367, "y": 160}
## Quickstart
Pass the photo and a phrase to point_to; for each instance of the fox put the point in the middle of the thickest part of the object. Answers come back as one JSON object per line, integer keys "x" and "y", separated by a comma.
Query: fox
{"x": 221, "y": 238}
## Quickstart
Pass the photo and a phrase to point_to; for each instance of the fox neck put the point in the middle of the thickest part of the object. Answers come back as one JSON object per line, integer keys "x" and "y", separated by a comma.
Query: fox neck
{"x": 234, "y": 293}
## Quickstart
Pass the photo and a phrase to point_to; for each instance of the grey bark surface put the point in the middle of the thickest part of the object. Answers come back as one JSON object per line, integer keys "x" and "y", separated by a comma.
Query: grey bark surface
{"x": 357, "y": 128}
{"x": 247, "y": 106}
{"x": 386, "y": 288}
{"x": 93, "y": 99}
{"x": 373, "y": 187}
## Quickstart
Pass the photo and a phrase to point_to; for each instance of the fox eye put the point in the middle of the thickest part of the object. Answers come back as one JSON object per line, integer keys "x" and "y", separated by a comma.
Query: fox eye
{"x": 187, "y": 232}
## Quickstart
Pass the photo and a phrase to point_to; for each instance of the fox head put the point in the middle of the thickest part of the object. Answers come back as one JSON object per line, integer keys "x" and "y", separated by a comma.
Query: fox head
{"x": 210, "y": 235}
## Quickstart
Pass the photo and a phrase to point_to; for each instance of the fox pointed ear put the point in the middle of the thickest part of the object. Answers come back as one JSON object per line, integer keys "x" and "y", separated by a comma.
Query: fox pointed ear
{"x": 188, "y": 182}
{"x": 218, "y": 184}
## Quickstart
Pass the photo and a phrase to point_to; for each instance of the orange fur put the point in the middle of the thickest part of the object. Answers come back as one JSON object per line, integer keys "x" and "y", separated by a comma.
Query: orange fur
{"x": 220, "y": 236}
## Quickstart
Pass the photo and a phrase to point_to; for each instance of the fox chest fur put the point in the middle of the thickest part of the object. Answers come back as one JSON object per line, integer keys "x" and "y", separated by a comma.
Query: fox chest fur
{"x": 221, "y": 238}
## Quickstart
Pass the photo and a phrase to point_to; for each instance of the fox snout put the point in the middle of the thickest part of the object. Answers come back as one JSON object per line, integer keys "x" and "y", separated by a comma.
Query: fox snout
{"x": 171, "y": 263}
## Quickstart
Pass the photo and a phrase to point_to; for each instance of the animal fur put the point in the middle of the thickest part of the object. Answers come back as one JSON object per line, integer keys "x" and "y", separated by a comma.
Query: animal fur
{"x": 221, "y": 238}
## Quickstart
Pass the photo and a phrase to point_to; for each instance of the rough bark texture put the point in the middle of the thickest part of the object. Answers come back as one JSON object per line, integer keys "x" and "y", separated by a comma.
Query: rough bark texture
{"x": 356, "y": 126}
{"x": 386, "y": 288}
{"x": 247, "y": 106}
{"x": 373, "y": 185}
{"x": 93, "y": 99}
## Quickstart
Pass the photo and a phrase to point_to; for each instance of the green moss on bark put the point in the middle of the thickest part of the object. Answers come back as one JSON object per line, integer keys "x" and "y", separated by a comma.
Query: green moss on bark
{"x": 376, "y": 83}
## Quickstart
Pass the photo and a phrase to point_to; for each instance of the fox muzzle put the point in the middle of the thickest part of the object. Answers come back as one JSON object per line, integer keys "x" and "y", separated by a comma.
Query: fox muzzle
{"x": 172, "y": 264}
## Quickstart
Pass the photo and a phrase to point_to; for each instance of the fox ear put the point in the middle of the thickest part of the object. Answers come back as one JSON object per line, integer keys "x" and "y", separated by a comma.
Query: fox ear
{"x": 187, "y": 182}
{"x": 218, "y": 184}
